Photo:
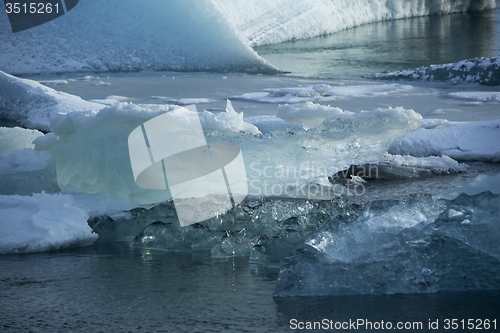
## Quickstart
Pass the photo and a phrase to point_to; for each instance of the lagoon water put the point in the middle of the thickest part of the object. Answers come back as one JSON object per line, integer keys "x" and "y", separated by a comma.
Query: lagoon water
{"x": 110, "y": 287}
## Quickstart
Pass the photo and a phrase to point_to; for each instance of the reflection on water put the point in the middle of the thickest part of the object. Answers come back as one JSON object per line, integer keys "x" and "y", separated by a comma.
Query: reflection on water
{"x": 390, "y": 46}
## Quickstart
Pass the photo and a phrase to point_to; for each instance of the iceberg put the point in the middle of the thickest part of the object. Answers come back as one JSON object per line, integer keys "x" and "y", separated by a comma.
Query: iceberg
{"x": 269, "y": 22}
{"x": 485, "y": 71}
{"x": 42, "y": 222}
{"x": 473, "y": 141}
{"x": 34, "y": 105}
{"x": 125, "y": 35}
{"x": 191, "y": 35}
{"x": 412, "y": 246}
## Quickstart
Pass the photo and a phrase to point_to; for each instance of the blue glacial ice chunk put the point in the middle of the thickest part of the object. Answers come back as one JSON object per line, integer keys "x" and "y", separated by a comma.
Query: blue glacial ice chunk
{"x": 414, "y": 246}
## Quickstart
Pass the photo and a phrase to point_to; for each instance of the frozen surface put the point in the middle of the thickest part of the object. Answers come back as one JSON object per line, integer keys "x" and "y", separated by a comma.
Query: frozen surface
{"x": 34, "y": 105}
{"x": 323, "y": 93}
{"x": 14, "y": 138}
{"x": 42, "y": 222}
{"x": 478, "y": 96}
{"x": 479, "y": 141}
{"x": 485, "y": 71}
{"x": 26, "y": 171}
{"x": 270, "y": 22}
{"x": 413, "y": 246}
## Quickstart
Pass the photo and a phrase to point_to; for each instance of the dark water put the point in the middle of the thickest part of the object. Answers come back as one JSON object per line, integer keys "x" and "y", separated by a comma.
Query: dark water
{"x": 390, "y": 46}
{"x": 113, "y": 288}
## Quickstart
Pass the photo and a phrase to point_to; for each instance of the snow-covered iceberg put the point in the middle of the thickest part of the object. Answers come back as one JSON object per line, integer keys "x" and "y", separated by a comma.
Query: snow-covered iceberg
{"x": 191, "y": 35}
{"x": 34, "y": 105}
{"x": 126, "y": 35}
{"x": 413, "y": 246}
{"x": 485, "y": 71}
{"x": 474, "y": 141}
{"x": 42, "y": 222}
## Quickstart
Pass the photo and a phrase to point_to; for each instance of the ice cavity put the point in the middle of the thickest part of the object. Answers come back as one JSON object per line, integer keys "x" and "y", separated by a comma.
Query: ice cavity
{"x": 460, "y": 141}
{"x": 42, "y": 222}
{"x": 269, "y": 22}
{"x": 485, "y": 71}
{"x": 413, "y": 246}
{"x": 34, "y": 105}
{"x": 125, "y": 35}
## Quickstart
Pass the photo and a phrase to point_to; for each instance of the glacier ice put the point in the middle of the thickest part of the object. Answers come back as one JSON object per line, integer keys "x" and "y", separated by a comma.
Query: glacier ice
{"x": 478, "y": 141}
{"x": 14, "y": 138}
{"x": 42, "y": 222}
{"x": 412, "y": 246}
{"x": 270, "y": 22}
{"x": 262, "y": 229}
{"x": 485, "y": 71}
{"x": 26, "y": 171}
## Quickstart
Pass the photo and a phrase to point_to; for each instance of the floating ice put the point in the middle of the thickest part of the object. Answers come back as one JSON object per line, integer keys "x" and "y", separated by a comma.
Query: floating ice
{"x": 110, "y": 100}
{"x": 183, "y": 101}
{"x": 34, "y": 105}
{"x": 42, "y": 222}
{"x": 14, "y": 138}
{"x": 26, "y": 171}
{"x": 485, "y": 71}
{"x": 480, "y": 96}
{"x": 475, "y": 141}
{"x": 323, "y": 93}
{"x": 413, "y": 246}
{"x": 308, "y": 114}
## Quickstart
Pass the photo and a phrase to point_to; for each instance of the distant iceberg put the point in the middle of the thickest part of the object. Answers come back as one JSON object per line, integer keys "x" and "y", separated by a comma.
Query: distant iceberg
{"x": 191, "y": 35}
{"x": 485, "y": 71}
